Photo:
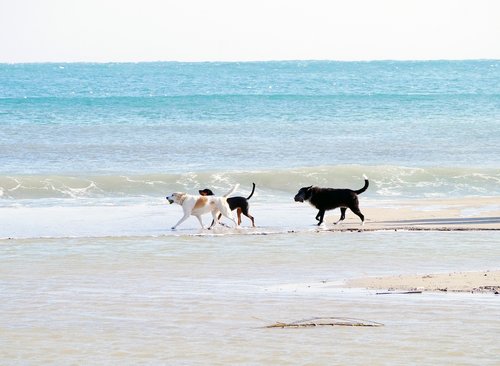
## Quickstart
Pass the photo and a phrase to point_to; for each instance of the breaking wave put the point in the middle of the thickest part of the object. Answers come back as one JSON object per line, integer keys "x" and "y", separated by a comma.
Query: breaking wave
{"x": 385, "y": 182}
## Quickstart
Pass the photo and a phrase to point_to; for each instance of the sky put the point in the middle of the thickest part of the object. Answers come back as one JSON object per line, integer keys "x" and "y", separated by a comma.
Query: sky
{"x": 256, "y": 30}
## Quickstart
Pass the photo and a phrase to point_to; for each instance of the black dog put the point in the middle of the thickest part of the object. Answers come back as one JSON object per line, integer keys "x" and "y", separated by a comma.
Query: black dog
{"x": 239, "y": 203}
{"x": 330, "y": 198}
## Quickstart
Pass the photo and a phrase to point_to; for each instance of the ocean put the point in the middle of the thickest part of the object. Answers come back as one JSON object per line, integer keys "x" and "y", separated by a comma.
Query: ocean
{"x": 91, "y": 271}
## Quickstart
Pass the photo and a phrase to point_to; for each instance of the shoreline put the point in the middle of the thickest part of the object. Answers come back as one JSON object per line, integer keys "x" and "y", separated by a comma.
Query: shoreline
{"x": 487, "y": 281}
{"x": 410, "y": 228}
{"x": 432, "y": 214}
{"x": 467, "y": 214}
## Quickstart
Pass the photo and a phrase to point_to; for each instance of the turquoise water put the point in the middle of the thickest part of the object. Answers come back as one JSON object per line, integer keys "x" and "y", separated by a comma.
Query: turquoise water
{"x": 181, "y": 117}
{"x": 418, "y": 129}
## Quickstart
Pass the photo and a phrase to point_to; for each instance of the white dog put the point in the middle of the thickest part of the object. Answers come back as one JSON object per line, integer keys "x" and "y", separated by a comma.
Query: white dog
{"x": 199, "y": 205}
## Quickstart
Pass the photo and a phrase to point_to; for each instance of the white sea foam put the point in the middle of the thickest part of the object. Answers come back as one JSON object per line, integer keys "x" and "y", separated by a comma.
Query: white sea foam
{"x": 125, "y": 205}
{"x": 154, "y": 219}
{"x": 385, "y": 181}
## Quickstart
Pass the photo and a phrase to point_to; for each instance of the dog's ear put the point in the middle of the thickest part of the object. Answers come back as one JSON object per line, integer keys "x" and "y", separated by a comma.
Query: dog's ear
{"x": 308, "y": 192}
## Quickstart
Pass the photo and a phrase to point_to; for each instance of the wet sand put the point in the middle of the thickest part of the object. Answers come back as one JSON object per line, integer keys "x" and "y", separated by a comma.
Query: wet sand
{"x": 463, "y": 214}
{"x": 475, "y": 282}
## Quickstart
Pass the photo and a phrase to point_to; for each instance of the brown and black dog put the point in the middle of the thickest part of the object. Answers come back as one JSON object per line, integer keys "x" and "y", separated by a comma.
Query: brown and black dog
{"x": 325, "y": 199}
{"x": 235, "y": 203}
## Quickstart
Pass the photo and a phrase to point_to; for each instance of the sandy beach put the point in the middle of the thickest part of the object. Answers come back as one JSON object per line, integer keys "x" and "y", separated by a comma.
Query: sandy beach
{"x": 474, "y": 282}
{"x": 466, "y": 214}
{"x": 460, "y": 214}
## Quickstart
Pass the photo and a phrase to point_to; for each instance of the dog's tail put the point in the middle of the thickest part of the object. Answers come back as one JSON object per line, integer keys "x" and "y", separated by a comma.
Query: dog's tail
{"x": 253, "y": 190}
{"x": 365, "y": 187}
{"x": 231, "y": 191}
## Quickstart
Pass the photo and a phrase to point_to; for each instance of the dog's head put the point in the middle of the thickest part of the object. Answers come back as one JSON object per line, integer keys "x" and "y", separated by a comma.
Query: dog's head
{"x": 206, "y": 192}
{"x": 303, "y": 194}
{"x": 177, "y": 197}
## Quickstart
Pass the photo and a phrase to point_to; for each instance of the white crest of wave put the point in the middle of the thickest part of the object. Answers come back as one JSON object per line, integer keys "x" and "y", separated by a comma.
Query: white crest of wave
{"x": 385, "y": 181}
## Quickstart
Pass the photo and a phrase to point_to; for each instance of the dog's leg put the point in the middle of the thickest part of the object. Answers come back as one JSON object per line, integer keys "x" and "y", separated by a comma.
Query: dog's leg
{"x": 183, "y": 218}
{"x": 342, "y": 214}
{"x": 321, "y": 215}
{"x": 244, "y": 211}
{"x": 215, "y": 219}
{"x": 220, "y": 222}
{"x": 356, "y": 210}
{"x": 201, "y": 222}
{"x": 229, "y": 215}
{"x": 224, "y": 209}
{"x": 238, "y": 212}
{"x": 318, "y": 215}
{"x": 252, "y": 219}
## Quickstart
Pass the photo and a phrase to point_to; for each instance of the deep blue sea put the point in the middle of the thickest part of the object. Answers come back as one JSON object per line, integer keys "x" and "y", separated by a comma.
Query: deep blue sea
{"x": 118, "y": 129}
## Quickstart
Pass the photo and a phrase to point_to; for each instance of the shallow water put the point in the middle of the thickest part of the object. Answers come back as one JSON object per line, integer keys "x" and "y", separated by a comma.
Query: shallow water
{"x": 198, "y": 300}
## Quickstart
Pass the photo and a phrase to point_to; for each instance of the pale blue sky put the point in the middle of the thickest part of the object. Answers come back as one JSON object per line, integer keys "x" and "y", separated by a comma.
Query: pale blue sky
{"x": 232, "y": 30}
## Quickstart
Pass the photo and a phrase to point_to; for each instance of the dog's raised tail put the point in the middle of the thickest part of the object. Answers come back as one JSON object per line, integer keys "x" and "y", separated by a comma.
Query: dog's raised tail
{"x": 253, "y": 190}
{"x": 365, "y": 187}
{"x": 231, "y": 191}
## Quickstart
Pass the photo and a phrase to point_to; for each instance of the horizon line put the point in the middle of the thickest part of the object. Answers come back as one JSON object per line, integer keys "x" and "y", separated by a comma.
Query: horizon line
{"x": 248, "y": 61}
